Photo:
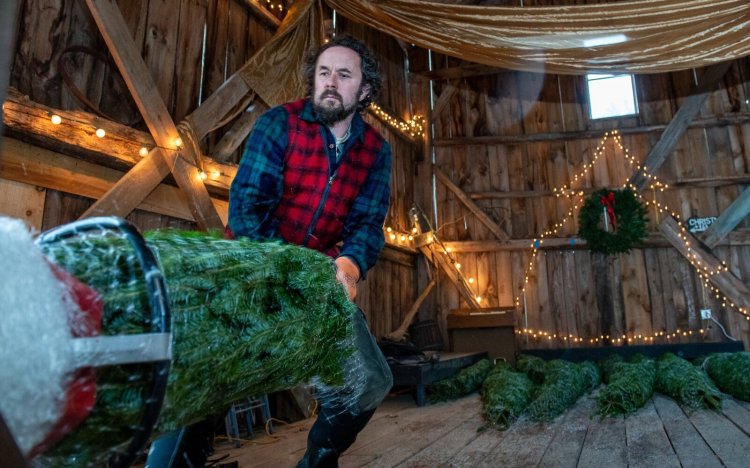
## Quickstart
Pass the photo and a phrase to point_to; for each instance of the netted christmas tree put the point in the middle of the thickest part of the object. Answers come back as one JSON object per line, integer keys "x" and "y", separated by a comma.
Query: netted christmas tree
{"x": 247, "y": 318}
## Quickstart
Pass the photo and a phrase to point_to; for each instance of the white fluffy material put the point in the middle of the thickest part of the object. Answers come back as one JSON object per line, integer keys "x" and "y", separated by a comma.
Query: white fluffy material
{"x": 35, "y": 341}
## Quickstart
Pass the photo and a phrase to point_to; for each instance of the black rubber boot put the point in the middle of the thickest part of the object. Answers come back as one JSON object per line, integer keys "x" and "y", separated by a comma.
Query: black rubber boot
{"x": 334, "y": 431}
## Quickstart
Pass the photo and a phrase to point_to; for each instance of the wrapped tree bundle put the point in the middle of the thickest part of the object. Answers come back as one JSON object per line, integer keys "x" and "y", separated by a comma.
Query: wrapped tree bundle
{"x": 730, "y": 372}
{"x": 630, "y": 386}
{"x": 685, "y": 383}
{"x": 607, "y": 365}
{"x": 505, "y": 394}
{"x": 564, "y": 383}
{"x": 534, "y": 367}
{"x": 464, "y": 382}
{"x": 247, "y": 318}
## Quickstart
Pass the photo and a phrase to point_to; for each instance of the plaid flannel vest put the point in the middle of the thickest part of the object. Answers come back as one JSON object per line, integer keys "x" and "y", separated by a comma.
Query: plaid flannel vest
{"x": 317, "y": 197}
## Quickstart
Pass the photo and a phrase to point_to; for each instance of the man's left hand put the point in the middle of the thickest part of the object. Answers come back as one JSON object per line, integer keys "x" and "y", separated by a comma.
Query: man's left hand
{"x": 347, "y": 273}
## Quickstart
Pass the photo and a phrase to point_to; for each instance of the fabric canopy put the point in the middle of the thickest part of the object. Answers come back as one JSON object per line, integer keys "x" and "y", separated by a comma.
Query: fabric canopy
{"x": 644, "y": 36}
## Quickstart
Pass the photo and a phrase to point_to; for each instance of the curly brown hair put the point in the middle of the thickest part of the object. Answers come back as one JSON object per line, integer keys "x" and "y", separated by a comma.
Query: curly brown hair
{"x": 370, "y": 70}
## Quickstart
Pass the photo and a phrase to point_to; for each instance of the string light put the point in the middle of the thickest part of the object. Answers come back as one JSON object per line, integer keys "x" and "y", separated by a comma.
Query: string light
{"x": 56, "y": 119}
{"x": 143, "y": 151}
{"x": 414, "y": 127}
{"x": 100, "y": 132}
{"x": 655, "y": 185}
{"x": 202, "y": 175}
{"x": 178, "y": 142}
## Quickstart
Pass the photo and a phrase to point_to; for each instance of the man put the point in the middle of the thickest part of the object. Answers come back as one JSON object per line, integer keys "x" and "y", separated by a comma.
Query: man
{"x": 314, "y": 173}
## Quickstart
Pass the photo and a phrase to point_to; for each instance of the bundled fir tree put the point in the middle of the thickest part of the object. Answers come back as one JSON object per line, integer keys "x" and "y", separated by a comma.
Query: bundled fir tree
{"x": 629, "y": 386}
{"x": 564, "y": 382}
{"x": 464, "y": 382}
{"x": 731, "y": 373}
{"x": 505, "y": 394}
{"x": 247, "y": 318}
{"x": 685, "y": 383}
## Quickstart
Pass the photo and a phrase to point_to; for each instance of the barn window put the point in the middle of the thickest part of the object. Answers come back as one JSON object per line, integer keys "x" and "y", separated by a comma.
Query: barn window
{"x": 611, "y": 95}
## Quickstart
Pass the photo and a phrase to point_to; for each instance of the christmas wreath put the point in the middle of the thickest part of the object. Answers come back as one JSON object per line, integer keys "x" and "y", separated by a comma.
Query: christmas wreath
{"x": 612, "y": 221}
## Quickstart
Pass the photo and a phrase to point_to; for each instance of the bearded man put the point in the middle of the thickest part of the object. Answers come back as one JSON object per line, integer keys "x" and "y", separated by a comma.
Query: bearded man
{"x": 314, "y": 173}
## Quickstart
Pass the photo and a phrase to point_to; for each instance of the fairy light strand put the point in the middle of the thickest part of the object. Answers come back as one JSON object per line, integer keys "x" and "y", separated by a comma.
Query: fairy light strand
{"x": 704, "y": 271}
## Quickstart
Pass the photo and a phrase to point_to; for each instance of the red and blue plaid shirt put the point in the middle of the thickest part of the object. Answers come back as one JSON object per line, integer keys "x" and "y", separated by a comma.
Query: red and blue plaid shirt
{"x": 290, "y": 186}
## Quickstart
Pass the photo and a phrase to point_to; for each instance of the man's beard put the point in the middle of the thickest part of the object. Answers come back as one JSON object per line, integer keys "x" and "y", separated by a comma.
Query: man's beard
{"x": 332, "y": 115}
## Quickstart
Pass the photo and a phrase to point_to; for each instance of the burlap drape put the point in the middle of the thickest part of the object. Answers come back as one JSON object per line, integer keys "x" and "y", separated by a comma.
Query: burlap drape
{"x": 275, "y": 71}
{"x": 646, "y": 36}
{"x": 654, "y": 35}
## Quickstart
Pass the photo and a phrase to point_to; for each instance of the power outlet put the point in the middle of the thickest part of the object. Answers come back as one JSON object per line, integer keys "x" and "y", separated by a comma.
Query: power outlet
{"x": 705, "y": 314}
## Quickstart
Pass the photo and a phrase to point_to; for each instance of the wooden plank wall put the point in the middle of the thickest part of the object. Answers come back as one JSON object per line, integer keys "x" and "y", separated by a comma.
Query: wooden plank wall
{"x": 654, "y": 289}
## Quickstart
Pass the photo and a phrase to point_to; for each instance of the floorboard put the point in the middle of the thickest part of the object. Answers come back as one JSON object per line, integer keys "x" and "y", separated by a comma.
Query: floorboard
{"x": 686, "y": 441}
{"x": 647, "y": 442}
{"x": 730, "y": 444}
{"x": 661, "y": 435}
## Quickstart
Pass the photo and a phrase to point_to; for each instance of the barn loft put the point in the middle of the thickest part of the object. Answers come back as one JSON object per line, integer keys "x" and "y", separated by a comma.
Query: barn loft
{"x": 513, "y": 225}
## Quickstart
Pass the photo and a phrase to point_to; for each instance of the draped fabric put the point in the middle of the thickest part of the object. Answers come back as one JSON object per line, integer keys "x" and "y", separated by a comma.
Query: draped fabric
{"x": 275, "y": 71}
{"x": 643, "y": 36}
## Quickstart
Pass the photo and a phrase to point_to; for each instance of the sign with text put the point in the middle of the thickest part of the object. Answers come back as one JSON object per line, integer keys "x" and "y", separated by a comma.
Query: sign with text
{"x": 700, "y": 224}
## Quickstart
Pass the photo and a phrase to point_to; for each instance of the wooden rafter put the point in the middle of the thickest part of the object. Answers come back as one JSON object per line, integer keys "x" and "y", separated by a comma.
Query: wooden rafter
{"x": 471, "y": 205}
{"x": 734, "y": 118}
{"x": 449, "y": 90}
{"x": 440, "y": 260}
{"x": 679, "y": 123}
{"x": 75, "y": 135}
{"x": 182, "y": 162}
{"x": 30, "y": 164}
{"x": 241, "y": 128}
{"x": 262, "y": 13}
{"x": 732, "y": 287}
{"x": 8, "y": 12}
{"x": 728, "y": 220}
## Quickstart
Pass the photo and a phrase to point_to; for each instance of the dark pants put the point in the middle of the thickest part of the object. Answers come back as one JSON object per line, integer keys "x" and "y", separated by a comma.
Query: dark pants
{"x": 343, "y": 415}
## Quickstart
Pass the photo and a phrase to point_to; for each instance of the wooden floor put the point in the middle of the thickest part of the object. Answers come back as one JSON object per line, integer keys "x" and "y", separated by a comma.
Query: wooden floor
{"x": 660, "y": 435}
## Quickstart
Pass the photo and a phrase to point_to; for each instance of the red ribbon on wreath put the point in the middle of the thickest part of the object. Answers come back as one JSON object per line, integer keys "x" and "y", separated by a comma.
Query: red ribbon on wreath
{"x": 609, "y": 203}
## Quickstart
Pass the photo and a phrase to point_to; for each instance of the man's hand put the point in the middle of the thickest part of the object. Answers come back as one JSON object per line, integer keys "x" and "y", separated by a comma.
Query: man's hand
{"x": 347, "y": 272}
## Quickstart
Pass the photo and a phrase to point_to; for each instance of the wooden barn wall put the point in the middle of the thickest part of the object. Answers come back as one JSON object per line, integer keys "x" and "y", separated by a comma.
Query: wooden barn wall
{"x": 654, "y": 289}
{"x": 59, "y": 50}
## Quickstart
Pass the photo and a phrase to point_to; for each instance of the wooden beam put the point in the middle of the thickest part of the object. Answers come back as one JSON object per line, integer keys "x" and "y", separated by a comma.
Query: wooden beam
{"x": 398, "y": 334}
{"x": 732, "y": 287}
{"x": 182, "y": 163}
{"x": 689, "y": 108}
{"x": 29, "y": 164}
{"x": 473, "y": 207}
{"x": 737, "y": 118}
{"x": 728, "y": 220}
{"x": 119, "y": 149}
{"x": 455, "y": 73}
{"x": 440, "y": 261}
{"x": 241, "y": 128}
{"x": 449, "y": 90}
{"x": 260, "y": 12}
